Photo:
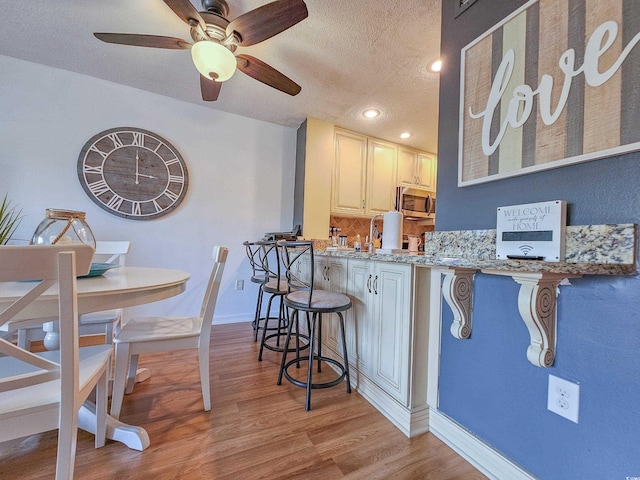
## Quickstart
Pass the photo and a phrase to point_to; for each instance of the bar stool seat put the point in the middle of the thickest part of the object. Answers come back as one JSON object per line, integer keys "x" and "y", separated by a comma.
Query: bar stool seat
{"x": 321, "y": 301}
{"x": 303, "y": 297}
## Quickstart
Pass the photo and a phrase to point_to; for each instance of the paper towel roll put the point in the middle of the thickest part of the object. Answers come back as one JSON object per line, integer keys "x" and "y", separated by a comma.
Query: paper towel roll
{"x": 392, "y": 230}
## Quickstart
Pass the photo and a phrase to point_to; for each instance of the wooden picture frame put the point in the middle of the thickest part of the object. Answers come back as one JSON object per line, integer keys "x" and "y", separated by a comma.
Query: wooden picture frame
{"x": 461, "y": 5}
{"x": 551, "y": 85}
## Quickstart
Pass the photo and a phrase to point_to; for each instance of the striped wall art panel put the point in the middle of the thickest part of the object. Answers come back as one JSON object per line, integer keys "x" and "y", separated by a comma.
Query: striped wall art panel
{"x": 557, "y": 82}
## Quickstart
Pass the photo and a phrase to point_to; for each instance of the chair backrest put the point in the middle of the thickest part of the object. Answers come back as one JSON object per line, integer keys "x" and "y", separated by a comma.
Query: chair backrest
{"x": 253, "y": 253}
{"x": 211, "y": 293}
{"x": 268, "y": 249}
{"x": 292, "y": 255}
{"x": 112, "y": 251}
{"x": 44, "y": 266}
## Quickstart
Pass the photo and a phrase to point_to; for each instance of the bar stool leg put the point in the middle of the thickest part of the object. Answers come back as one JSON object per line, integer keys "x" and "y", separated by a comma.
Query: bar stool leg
{"x": 344, "y": 352}
{"x": 286, "y": 346}
{"x": 312, "y": 336}
{"x": 319, "y": 342}
{"x": 256, "y": 319}
{"x": 265, "y": 327}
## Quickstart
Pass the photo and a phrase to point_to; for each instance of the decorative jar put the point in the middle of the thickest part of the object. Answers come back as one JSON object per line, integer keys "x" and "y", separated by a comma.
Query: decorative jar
{"x": 61, "y": 227}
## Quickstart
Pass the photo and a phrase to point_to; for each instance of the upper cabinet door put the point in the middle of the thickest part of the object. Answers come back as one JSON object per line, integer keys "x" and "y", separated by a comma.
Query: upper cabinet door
{"x": 426, "y": 171}
{"x": 416, "y": 169}
{"x": 381, "y": 177}
{"x": 407, "y": 167}
{"x": 349, "y": 173}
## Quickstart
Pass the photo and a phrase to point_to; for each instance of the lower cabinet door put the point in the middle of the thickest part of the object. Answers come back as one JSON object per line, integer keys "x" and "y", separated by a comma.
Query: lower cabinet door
{"x": 333, "y": 272}
{"x": 390, "y": 341}
{"x": 359, "y": 317}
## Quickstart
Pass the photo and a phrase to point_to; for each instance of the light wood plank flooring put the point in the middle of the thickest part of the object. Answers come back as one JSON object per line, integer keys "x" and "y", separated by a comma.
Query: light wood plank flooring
{"x": 256, "y": 429}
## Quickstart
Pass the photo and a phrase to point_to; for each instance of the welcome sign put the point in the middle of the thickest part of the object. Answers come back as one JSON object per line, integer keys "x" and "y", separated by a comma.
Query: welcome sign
{"x": 553, "y": 84}
{"x": 533, "y": 231}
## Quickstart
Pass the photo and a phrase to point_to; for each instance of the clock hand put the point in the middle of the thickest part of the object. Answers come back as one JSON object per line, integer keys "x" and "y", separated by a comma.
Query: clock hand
{"x": 146, "y": 176}
{"x": 137, "y": 174}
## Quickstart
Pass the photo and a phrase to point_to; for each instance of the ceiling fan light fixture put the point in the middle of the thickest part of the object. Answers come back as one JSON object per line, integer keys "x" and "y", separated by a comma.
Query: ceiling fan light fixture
{"x": 213, "y": 60}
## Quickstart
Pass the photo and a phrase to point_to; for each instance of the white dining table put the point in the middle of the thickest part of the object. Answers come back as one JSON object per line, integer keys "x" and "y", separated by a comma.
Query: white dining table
{"x": 117, "y": 288}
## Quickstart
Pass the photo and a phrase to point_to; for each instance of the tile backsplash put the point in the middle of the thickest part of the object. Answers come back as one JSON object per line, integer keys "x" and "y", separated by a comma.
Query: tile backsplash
{"x": 352, "y": 226}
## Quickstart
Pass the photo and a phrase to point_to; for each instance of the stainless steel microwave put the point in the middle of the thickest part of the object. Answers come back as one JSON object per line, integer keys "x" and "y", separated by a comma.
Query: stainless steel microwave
{"x": 416, "y": 204}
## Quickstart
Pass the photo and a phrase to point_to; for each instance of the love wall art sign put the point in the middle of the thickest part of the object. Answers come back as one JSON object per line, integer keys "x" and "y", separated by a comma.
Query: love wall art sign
{"x": 555, "y": 83}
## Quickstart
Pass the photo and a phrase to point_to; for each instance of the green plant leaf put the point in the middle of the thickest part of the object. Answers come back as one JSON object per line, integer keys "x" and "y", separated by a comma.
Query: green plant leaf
{"x": 9, "y": 220}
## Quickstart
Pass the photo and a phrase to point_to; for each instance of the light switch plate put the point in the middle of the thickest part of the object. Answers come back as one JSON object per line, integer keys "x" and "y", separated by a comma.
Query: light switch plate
{"x": 564, "y": 398}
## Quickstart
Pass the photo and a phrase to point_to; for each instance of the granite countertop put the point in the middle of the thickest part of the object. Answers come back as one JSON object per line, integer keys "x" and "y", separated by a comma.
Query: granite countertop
{"x": 590, "y": 250}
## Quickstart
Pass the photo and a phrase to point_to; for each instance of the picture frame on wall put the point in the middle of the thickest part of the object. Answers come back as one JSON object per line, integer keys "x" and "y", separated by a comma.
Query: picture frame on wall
{"x": 461, "y": 5}
{"x": 549, "y": 86}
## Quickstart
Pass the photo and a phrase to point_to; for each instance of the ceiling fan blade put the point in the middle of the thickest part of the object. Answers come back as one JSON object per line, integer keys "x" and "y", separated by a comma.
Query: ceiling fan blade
{"x": 143, "y": 40}
{"x": 210, "y": 89}
{"x": 266, "y": 74}
{"x": 187, "y": 12}
{"x": 266, "y": 21}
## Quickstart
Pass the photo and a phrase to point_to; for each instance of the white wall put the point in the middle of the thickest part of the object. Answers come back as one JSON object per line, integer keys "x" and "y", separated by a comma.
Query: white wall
{"x": 241, "y": 175}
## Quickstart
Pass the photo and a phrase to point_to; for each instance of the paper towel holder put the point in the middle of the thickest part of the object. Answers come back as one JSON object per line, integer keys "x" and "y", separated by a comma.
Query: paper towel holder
{"x": 392, "y": 225}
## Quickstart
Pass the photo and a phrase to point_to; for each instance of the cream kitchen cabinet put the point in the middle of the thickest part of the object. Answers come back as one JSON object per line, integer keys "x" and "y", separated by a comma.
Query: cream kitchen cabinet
{"x": 377, "y": 325}
{"x": 382, "y": 161}
{"x": 349, "y": 173}
{"x": 387, "y": 330}
{"x": 359, "y": 317}
{"x": 390, "y": 299}
{"x": 364, "y": 175}
{"x": 416, "y": 169}
{"x": 331, "y": 275}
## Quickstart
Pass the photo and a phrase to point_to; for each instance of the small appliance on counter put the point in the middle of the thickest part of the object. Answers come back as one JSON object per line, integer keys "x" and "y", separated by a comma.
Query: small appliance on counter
{"x": 288, "y": 236}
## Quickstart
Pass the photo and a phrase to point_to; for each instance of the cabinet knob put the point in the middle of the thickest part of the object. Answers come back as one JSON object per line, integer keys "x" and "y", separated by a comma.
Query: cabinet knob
{"x": 369, "y": 283}
{"x": 375, "y": 285}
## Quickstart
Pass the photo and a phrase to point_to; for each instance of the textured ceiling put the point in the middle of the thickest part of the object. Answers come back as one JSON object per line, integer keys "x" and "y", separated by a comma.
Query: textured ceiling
{"x": 347, "y": 55}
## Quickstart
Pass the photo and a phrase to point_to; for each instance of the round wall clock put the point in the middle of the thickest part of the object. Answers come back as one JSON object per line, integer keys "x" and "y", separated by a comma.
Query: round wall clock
{"x": 133, "y": 173}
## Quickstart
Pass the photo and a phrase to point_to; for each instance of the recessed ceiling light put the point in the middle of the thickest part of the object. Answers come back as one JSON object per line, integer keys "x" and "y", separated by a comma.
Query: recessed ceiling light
{"x": 405, "y": 135}
{"x": 436, "y": 66}
{"x": 371, "y": 113}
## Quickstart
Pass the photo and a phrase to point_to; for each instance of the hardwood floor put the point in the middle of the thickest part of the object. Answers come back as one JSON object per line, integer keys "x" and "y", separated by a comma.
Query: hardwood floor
{"x": 256, "y": 429}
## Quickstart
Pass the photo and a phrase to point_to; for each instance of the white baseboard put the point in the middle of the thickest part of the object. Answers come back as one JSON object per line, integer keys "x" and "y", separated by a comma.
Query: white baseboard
{"x": 224, "y": 319}
{"x": 489, "y": 461}
{"x": 410, "y": 422}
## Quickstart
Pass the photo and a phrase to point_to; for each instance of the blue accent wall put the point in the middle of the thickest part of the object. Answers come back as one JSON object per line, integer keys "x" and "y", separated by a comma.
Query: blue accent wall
{"x": 487, "y": 385}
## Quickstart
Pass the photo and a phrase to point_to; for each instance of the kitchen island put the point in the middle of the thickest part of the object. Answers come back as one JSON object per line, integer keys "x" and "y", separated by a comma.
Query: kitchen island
{"x": 394, "y": 327}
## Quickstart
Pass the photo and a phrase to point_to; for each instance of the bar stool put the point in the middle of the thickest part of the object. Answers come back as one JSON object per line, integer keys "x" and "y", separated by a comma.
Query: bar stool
{"x": 275, "y": 287}
{"x": 258, "y": 276}
{"x": 303, "y": 297}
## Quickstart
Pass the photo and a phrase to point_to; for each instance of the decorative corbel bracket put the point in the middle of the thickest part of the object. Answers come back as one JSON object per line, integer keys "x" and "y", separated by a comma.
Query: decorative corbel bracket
{"x": 537, "y": 303}
{"x": 457, "y": 290}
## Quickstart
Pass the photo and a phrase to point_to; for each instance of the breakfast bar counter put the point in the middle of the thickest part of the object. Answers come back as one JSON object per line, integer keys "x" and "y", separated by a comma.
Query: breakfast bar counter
{"x": 394, "y": 327}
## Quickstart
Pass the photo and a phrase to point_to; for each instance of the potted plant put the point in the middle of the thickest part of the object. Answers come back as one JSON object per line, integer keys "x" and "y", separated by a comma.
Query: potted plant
{"x": 9, "y": 220}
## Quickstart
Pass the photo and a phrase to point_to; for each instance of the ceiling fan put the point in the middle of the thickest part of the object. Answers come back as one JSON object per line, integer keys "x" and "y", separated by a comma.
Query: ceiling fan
{"x": 216, "y": 39}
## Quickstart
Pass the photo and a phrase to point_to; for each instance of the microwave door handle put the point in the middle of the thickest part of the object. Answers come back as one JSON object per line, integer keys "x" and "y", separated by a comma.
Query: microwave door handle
{"x": 429, "y": 204}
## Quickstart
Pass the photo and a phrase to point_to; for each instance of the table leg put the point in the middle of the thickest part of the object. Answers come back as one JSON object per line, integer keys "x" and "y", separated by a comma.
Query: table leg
{"x": 52, "y": 335}
{"x": 133, "y": 437}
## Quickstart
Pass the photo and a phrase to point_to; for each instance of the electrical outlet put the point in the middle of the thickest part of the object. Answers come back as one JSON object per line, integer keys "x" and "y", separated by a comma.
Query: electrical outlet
{"x": 563, "y": 398}
{"x": 239, "y": 284}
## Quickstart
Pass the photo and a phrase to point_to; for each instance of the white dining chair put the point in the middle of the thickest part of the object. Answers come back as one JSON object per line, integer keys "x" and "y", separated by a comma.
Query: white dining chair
{"x": 106, "y": 322}
{"x": 42, "y": 392}
{"x": 161, "y": 334}
{"x": 95, "y": 323}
